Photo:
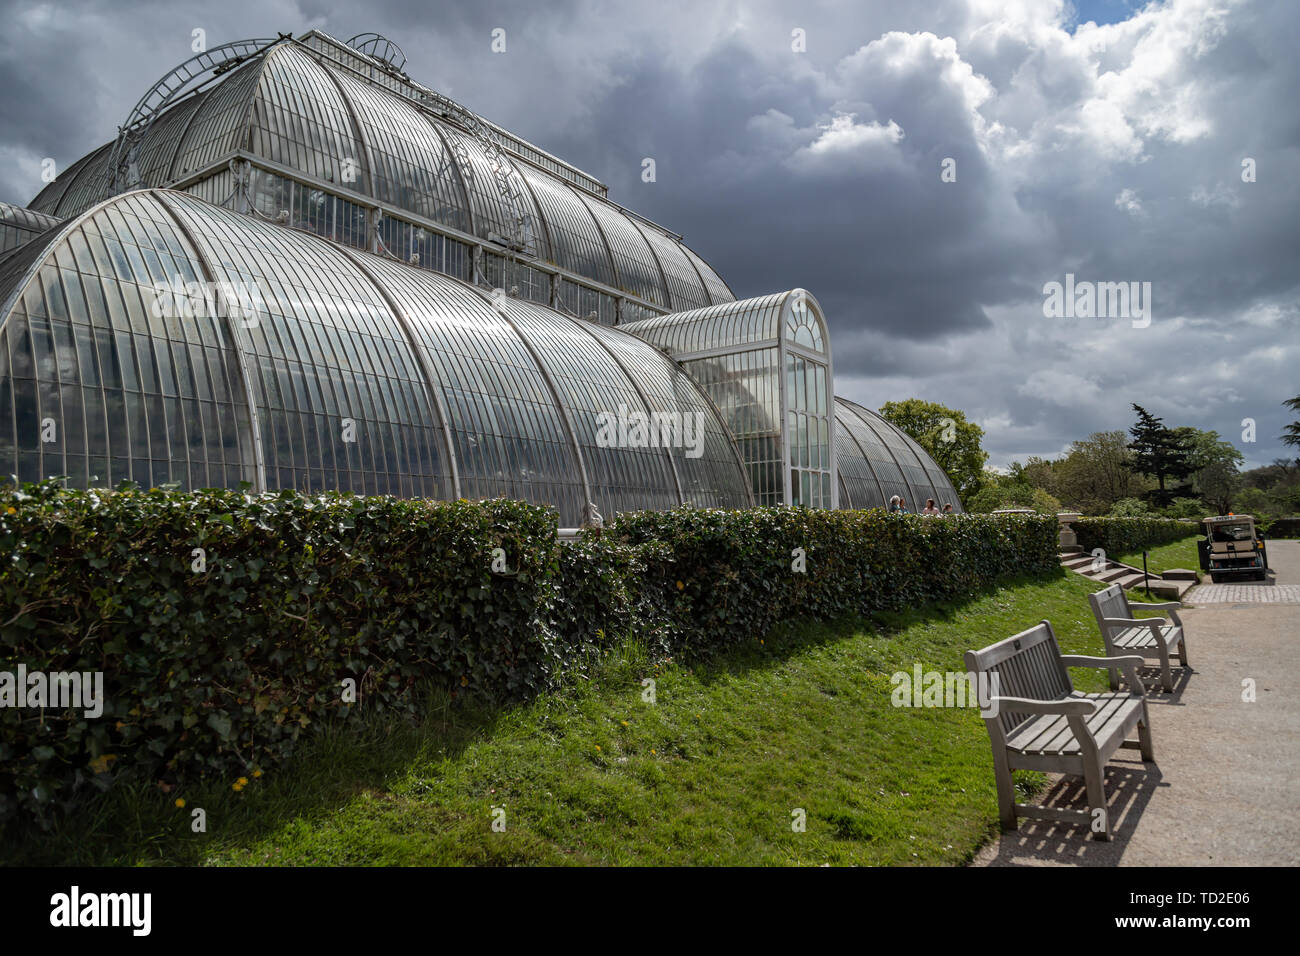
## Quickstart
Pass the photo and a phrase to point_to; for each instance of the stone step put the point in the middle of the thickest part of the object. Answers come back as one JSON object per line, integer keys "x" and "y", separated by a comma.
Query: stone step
{"x": 1129, "y": 577}
{"x": 1181, "y": 574}
{"x": 1114, "y": 572}
{"x": 1070, "y": 549}
{"x": 1173, "y": 590}
{"x": 1130, "y": 580}
{"x": 1090, "y": 575}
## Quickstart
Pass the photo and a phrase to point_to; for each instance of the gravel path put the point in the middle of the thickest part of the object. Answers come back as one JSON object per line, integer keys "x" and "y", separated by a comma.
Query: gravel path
{"x": 1226, "y": 791}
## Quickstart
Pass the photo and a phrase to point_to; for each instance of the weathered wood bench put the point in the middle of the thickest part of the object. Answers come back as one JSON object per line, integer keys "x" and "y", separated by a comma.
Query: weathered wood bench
{"x": 1153, "y": 637}
{"x": 1038, "y": 721}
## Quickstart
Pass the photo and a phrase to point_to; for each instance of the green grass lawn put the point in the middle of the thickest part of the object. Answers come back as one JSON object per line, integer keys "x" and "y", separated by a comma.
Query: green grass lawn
{"x": 1180, "y": 554}
{"x": 710, "y": 773}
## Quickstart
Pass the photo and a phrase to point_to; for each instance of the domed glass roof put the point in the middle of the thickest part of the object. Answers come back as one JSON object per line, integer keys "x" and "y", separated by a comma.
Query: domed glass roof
{"x": 315, "y": 108}
{"x": 125, "y": 353}
{"x": 878, "y": 460}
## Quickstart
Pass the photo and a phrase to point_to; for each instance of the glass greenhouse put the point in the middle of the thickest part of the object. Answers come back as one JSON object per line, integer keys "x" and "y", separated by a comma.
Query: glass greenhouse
{"x": 296, "y": 267}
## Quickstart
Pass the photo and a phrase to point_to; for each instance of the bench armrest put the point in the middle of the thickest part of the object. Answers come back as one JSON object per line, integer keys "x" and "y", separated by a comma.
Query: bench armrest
{"x": 1130, "y": 664}
{"x": 1025, "y": 705}
{"x": 1170, "y": 606}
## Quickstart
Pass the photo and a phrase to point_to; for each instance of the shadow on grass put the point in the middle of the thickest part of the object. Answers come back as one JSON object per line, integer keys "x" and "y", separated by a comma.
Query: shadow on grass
{"x": 137, "y": 823}
{"x": 797, "y": 634}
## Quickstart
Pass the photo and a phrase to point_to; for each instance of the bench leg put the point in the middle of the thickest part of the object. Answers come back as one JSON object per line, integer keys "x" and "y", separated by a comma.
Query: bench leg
{"x": 1094, "y": 777}
{"x": 1112, "y": 673}
{"x": 1006, "y": 789}
{"x": 1182, "y": 651}
{"x": 1166, "y": 675}
{"x": 1146, "y": 747}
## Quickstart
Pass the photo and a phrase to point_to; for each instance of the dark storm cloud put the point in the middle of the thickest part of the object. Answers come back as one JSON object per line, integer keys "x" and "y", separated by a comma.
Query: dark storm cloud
{"x": 1112, "y": 153}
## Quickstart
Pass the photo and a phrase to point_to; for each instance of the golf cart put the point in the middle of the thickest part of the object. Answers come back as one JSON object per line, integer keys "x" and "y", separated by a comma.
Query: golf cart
{"x": 1232, "y": 546}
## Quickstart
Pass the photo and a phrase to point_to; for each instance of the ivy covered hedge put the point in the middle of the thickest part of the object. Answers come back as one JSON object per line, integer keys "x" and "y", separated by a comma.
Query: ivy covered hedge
{"x": 228, "y": 626}
{"x": 225, "y": 625}
{"x": 731, "y": 575}
{"x": 1118, "y": 536}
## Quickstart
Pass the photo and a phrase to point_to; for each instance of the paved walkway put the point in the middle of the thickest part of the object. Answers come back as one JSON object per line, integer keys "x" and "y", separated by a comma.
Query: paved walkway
{"x": 1226, "y": 791}
{"x": 1244, "y": 594}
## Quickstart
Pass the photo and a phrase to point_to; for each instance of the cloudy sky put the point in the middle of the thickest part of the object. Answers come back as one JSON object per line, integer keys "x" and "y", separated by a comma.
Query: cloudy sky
{"x": 804, "y": 144}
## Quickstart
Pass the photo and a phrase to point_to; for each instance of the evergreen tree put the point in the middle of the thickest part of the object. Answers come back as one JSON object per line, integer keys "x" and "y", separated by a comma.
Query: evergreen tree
{"x": 1291, "y": 434}
{"x": 1158, "y": 452}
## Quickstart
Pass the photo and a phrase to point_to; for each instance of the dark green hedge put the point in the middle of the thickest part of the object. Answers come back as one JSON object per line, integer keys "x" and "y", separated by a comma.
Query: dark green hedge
{"x": 728, "y": 575}
{"x": 220, "y": 672}
{"x": 1117, "y": 536}
{"x": 1281, "y": 527}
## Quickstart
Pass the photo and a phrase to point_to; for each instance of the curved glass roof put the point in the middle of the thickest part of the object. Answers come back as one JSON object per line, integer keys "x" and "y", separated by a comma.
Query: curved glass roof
{"x": 325, "y": 112}
{"x": 350, "y": 371}
{"x": 878, "y": 460}
{"x": 763, "y": 320}
{"x": 19, "y": 226}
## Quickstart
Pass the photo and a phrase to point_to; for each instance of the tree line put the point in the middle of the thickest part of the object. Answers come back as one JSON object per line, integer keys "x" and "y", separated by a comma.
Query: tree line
{"x": 1150, "y": 469}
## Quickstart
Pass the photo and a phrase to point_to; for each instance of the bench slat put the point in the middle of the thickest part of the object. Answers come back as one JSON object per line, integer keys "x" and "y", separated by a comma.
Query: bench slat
{"x": 1051, "y": 734}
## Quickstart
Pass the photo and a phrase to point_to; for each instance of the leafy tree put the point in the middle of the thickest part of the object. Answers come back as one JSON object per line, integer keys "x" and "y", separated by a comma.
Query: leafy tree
{"x": 1044, "y": 503}
{"x": 1158, "y": 451}
{"x": 1096, "y": 473}
{"x": 1254, "y": 501}
{"x": 1214, "y": 465}
{"x": 1130, "y": 508}
{"x": 1283, "y": 471}
{"x": 1186, "y": 508}
{"x": 990, "y": 497}
{"x": 951, "y": 440}
{"x": 1042, "y": 473}
{"x": 1272, "y": 490}
{"x": 1007, "y": 491}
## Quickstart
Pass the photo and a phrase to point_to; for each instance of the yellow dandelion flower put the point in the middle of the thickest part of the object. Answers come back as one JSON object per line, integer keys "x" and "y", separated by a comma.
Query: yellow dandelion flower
{"x": 623, "y": 722}
{"x": 13, "y": 510}
{"x": 257, "y": 773}
{"x": 597, "y": 746}
{"x": 236, "y": 787}
{"x": 180, "y": 801}
{"x": 680, "y": 586}
{"x": 243, "y": 781}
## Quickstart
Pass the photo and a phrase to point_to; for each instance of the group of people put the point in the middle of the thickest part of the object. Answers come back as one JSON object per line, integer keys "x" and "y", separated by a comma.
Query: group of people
{"x": 898, "y": 505}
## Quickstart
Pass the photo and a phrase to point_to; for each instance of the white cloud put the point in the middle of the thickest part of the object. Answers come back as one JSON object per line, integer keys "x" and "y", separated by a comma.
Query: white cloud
{"x": 1218, "y": 195}
{"x": 1060, "y": 387}
{"x": 1128, "y": 201}
{"x": 844, "y": 140}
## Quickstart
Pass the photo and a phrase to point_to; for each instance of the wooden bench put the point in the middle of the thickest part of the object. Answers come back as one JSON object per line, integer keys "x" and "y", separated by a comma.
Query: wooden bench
{"x": 1123, "y": 633}
{"x": 1038, "y": 721}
